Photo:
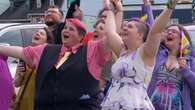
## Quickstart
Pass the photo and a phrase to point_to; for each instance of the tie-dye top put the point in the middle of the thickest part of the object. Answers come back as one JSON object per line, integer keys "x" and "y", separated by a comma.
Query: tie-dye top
{"x": 167, "y": 94}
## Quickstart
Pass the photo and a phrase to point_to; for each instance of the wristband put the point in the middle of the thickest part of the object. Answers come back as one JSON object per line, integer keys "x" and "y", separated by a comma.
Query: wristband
{"x": 169, "y": 5}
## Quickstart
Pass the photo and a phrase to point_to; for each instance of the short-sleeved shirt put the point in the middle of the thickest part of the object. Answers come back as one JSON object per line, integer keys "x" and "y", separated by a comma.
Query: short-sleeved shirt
{"x": 96, "y": 56}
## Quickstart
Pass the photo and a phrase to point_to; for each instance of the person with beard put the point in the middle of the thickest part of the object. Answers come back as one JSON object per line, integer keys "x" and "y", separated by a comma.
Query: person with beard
{"x": 54, "y": 17}
{"x": 54, "y": 20}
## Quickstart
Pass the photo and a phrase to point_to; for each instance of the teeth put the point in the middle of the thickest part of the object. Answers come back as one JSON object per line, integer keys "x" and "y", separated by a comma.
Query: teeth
{"x": 95, "y": 36}
{"x": 36, "y": 38}
{"x": 65, "y": 36}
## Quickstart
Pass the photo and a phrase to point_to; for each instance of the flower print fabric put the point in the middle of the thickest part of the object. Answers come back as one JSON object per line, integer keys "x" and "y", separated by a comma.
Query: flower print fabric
{"x": 128, "y": 88}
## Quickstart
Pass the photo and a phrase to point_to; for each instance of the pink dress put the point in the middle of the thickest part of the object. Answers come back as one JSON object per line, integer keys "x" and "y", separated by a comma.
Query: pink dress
{"x": 6, "y": 87}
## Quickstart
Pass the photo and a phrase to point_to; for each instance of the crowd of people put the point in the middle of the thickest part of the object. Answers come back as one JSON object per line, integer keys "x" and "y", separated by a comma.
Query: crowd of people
{"x": 134, "y": 64}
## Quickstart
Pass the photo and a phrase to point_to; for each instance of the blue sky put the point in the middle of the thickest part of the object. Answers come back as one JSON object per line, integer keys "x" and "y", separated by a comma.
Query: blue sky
{"x": 91, "y": 7}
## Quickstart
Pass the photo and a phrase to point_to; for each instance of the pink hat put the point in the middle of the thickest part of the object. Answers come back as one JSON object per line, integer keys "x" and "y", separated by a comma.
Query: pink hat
{"x": 77, "y": 23}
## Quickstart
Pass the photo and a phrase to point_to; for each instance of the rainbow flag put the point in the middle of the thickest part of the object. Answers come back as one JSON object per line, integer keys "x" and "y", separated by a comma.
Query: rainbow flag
{"x": 144, "y": 18}
{"x": 185, "y": 45}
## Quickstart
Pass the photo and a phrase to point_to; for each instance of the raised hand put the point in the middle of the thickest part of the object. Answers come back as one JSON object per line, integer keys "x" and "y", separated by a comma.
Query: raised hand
{"x": 106, "y": 4}
{"x": 171, "y": 4}
{"x": 117, "y": 5}
{"x": 182, "y": 63}
{"x": 146, "y": 2}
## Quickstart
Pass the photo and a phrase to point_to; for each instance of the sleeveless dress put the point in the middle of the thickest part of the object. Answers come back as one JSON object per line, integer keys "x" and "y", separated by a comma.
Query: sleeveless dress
{"x": 128, "y": 90}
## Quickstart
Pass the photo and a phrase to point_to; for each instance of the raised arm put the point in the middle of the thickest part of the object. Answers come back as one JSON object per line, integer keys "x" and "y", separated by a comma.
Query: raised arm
{"x": 73, "y": 7}
{"x": 118, "y": 14}
{"x": 12, "y": 51}
{"x": 113, "y": 39}
{"x": 147, "y": 11}
{"x": 154, "y": 37}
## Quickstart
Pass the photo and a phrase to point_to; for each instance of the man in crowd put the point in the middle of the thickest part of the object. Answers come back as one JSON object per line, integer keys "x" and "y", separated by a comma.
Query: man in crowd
{"x": 54, "y": 20}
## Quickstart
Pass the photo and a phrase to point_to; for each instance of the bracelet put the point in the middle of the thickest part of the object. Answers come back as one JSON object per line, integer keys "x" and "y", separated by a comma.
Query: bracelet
{"x": 170, "y": 5}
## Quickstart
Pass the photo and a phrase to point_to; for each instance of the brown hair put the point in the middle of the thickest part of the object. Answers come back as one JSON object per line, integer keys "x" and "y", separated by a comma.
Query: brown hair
{"x": 181, "y": 29}
{"x": 142, "y": 27}
{"x": 98, "y": 22}
{"x": 50, "y": 38}
{"x": 54, "y": 6}
{"x": 81, "y": 31}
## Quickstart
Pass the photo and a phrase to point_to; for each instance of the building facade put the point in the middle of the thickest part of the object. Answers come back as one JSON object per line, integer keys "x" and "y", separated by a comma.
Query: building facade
{"x": 134, "y": 10}
{"x": 26, "y": 10}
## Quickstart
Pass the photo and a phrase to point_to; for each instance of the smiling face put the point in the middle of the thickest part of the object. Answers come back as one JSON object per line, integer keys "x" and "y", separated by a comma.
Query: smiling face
{"x": 52, "y": 16}
{"x": 98, "y": 32}
{"x": 39, "y": 37}
{"x": 130, "y": 34}
{"x": 70, "y": 35}
{"x": 172, "y": 38}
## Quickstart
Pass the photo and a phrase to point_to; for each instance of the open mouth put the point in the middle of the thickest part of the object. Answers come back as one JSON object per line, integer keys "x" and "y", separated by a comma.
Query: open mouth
{"x": 36, "y": 38}
{"x": 95, "y": 36}
{"x": 65, "y": 36}
{"x": 123, "y": 34}
{"x": 169, "y": 39}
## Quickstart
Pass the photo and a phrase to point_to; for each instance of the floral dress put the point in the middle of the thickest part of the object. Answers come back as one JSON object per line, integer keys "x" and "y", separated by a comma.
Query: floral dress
{"x": 128, "y": 90}
{"x": 167, "y": 93}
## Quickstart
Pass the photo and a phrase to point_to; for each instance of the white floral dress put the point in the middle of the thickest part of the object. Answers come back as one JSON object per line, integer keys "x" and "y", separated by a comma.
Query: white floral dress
{"x": 128, "y": 88}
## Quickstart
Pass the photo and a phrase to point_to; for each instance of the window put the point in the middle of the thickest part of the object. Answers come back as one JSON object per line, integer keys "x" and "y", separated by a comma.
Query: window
{"x": 12, "y": 37}
{"x": 27, "y": 35}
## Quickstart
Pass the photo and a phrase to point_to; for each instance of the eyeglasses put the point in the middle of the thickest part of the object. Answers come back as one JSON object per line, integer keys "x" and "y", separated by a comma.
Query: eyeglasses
{"x": 50, "y": 12}
{"x": 174, "y": 31}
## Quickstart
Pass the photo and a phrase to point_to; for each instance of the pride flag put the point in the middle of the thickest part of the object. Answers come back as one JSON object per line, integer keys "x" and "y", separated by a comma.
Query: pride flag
{"x": 185, "y": 45}
{"x": 144, "y": 18}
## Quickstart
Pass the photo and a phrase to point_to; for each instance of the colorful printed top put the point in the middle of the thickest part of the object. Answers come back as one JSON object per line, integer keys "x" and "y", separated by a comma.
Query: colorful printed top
{"x": 181, "y": 89}
{"x": 167, "y": 94}
{"x": 128, "y": 90}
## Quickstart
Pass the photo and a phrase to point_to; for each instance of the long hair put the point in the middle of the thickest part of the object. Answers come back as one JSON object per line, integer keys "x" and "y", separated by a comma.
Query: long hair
{"x": 182, "y": 29}
{"x": 50, "y": 38}
{"x": 183, "y": 33}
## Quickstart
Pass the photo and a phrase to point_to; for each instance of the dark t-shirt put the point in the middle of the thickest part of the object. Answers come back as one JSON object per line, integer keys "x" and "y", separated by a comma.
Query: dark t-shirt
{"x": 57, "y": 32}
